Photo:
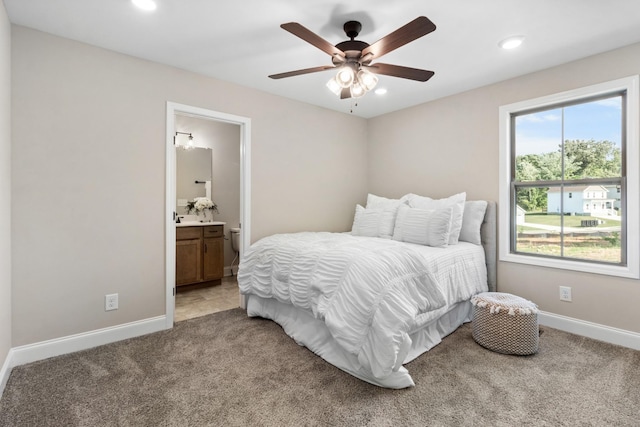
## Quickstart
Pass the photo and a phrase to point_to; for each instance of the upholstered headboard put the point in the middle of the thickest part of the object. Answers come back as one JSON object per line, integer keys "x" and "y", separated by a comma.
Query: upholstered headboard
{"x": 489, "y": 237}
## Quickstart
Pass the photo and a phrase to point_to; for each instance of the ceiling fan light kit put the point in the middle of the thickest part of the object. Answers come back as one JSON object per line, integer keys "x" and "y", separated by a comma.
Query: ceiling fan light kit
{"x": 358, "y": 83}
{"x": 353, "y": 58}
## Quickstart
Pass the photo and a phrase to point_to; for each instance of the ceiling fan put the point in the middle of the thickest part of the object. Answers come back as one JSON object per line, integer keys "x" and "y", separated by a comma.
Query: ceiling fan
{"x": 353, "y": 58}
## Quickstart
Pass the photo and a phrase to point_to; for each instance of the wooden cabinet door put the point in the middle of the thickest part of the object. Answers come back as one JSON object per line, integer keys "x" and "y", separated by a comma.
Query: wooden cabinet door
{"x": 188, "y": 261}
{"x": 213, "y": 258}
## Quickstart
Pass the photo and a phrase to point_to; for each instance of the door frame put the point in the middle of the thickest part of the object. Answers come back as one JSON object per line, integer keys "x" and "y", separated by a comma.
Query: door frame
{"x": 174, "y": 109}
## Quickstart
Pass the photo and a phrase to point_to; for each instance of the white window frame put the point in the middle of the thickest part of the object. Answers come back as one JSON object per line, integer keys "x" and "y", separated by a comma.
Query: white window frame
{"x": 632, "y": 269}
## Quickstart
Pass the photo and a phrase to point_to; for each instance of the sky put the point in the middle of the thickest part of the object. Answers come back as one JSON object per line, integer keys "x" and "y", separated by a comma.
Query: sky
{"x": 542, "y": 132}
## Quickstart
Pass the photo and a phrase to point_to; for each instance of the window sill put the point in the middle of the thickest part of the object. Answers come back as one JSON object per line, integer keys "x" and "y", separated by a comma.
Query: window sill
{"x": 630, "y": 272}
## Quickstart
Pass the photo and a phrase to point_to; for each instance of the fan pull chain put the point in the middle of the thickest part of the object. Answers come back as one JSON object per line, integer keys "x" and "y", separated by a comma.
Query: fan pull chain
{"x": 354, "y": 104}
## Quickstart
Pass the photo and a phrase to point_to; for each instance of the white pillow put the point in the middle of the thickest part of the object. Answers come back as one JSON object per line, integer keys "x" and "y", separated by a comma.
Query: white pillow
{"x": 423, "y": 227}
{"x": 472, "y": 220}
{"x": 374, "y": 222}
{"x": 456, "y": 202}
{"x": 377, "y": 202}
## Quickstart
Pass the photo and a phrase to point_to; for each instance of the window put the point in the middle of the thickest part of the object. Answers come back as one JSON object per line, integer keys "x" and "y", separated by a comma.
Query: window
{"x": 559, "y": 154}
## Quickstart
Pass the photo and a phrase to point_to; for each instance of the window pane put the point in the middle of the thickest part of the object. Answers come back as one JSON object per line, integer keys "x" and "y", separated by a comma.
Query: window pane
{"x": 578, "y": 221}
{"x": 537, "y": 232}
{"x": 591, "y": 225}
{"x": 537, "y": 146}
{"x": 592, "y": 135}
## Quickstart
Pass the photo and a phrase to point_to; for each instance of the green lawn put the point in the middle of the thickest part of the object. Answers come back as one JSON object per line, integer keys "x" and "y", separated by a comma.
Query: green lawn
{"x": 569, "y": 221}
{"x": 588, "y": 247}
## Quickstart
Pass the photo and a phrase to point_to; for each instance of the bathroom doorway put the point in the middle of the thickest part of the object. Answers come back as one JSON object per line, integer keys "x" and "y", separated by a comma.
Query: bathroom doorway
{"x": 219, "y": 168}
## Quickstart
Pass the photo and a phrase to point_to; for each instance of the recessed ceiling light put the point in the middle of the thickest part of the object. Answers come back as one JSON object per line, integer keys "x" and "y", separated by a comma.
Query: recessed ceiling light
{"x": 380, "y": 91}
{"x": 511, "y": 42}
{"x": 145, "y": 4}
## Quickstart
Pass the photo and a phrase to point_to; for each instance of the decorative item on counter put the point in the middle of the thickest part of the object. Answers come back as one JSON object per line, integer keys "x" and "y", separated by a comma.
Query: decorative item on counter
{"x": 202, "y": 205}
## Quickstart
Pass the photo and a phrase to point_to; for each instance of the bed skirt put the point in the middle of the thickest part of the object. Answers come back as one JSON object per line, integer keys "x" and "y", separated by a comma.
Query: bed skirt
{"x": 312, "y": 333}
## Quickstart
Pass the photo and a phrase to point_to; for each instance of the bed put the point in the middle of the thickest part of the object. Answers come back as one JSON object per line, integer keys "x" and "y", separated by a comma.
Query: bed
{"x": 369, "y": 305}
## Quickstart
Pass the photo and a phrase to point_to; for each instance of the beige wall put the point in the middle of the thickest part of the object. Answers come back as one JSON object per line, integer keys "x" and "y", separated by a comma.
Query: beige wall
{"x": 87, "y": 180}
{"x": 5, "y": 185}
{"x": 89, "y": 172}
{"x": 451, "y": 145}
{"x": 223, "y": 139}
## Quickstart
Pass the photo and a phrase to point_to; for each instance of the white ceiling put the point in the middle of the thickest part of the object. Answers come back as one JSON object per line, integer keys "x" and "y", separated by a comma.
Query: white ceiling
{"x": 241, "y": 41}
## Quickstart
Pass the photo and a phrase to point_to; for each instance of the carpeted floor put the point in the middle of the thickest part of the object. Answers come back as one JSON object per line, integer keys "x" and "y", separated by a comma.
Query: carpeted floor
{"x": 225, "y": 369}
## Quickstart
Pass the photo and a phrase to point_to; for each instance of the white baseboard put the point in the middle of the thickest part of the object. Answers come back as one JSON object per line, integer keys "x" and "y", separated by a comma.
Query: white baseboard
{"x": 5, "y": 371}
{"x": 43, "y": 350}
{"x": 590, "y": 330}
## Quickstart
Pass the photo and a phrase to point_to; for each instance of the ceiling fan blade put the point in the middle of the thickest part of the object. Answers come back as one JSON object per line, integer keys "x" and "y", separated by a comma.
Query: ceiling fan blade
{"x": 403, "y": 35}
{"x": 345, "y": 93}
{"x": 399, "y": 71}
{"x": 312, "y": 38}
{"x": 299, "y": 72}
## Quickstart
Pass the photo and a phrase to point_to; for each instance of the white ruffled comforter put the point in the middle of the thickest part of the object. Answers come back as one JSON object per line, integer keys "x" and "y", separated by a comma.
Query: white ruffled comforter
{"x": 371, "y": 293}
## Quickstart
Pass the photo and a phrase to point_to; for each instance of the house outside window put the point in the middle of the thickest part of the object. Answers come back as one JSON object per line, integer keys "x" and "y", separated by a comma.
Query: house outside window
{"x": 569, "y": 169}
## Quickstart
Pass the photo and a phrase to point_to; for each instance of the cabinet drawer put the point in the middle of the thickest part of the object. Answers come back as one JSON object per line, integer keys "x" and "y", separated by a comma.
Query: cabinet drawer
{"x": 213, "y": 231}
{"x": 186, "y": 233}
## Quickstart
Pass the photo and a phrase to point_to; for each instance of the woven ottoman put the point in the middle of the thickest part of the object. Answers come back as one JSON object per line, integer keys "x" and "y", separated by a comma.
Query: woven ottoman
{"x": 505, "y": 323}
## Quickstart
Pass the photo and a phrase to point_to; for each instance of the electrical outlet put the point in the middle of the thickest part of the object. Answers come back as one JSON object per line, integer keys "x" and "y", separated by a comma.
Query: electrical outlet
{"x": 110, "y": 302}
{"x": 565, "y": 293}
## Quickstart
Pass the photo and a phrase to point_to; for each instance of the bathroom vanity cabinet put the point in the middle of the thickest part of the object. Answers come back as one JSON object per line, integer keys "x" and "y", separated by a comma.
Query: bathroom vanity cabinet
{"x": 199, "y": 254}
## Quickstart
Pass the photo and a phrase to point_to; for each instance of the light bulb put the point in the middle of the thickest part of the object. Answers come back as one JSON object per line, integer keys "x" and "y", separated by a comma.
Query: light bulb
{"x": 345, "y": 77}
{"x": 367, "y": 79}
{"x": 334, "y": 86}
{"x": 357, "y": 90}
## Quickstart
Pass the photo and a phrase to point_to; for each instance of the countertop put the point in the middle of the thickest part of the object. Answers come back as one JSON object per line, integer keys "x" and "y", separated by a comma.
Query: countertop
{"x": 198, "y": 223}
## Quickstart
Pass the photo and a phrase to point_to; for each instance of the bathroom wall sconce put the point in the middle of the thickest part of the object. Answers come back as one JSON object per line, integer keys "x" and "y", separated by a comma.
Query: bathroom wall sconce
{"x": 189, "y": 145}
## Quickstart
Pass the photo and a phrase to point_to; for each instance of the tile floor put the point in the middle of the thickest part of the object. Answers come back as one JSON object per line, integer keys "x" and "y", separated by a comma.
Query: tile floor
{"x": 198, "y": 302}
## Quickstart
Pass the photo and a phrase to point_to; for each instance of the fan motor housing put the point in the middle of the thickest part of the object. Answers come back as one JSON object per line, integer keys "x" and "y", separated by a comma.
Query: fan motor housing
{"x": 352, "y": 29}
{"x": 352, "y": 45}
{"x": 353, "y": 55}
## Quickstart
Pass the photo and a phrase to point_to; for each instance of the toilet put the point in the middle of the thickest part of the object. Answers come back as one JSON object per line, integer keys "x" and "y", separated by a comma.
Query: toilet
{"x": 235, "y": 239}
{"x": 235, "y": 245}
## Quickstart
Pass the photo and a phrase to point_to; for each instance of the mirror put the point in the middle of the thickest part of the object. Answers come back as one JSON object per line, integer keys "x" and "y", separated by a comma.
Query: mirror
{"x": 193, "y": 176}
